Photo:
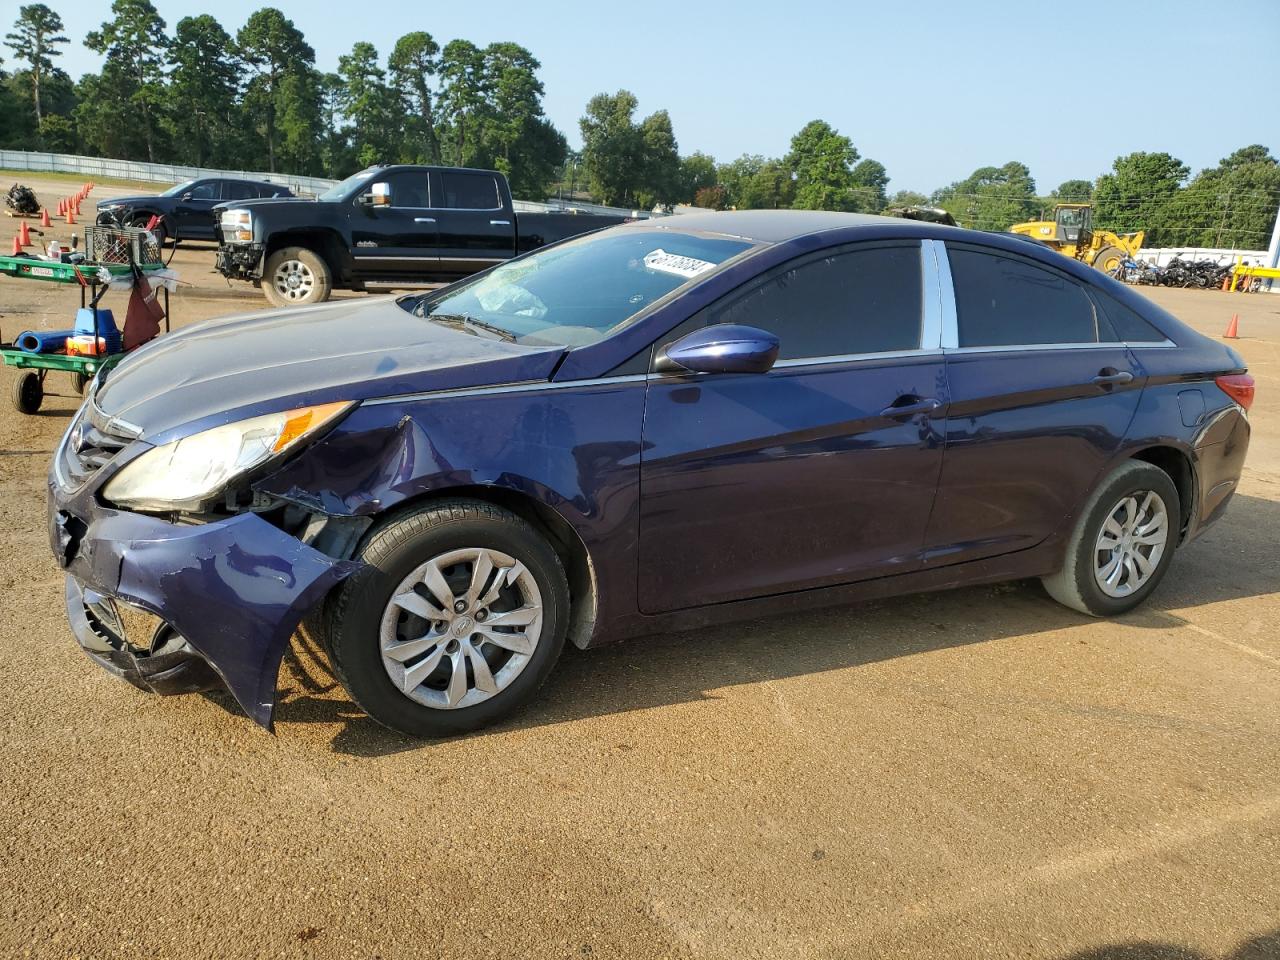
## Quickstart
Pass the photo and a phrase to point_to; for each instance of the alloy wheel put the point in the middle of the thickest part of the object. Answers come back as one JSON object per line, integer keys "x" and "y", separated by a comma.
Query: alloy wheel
{"x": 294, "y": 280}
{"x": 461, "y": 627}
{"x": 1131, "y": 543}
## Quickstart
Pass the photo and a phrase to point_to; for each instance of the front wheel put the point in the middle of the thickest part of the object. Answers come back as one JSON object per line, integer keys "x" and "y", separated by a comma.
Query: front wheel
{"x": 457, "y": 617}
{"x": 28, "y": 392}
{"x": 295, "y": 277}
{"x": 1122, "y": 544}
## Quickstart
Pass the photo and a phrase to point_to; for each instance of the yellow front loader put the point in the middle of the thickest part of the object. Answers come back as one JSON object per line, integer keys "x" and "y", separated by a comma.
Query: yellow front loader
{"x": 1071, "y": 233}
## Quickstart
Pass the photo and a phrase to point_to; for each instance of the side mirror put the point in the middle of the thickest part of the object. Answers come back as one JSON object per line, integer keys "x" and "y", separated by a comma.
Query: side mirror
{"x": 379, "y": 195}
{"x": 187, "y": 195}
{"x": 720, "y": 348}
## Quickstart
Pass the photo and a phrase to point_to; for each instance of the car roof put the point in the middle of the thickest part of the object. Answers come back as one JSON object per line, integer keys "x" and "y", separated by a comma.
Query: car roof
{"x": 765, "y": 226}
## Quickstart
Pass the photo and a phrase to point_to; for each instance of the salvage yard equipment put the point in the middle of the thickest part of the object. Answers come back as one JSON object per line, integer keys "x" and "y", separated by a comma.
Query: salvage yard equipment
{"x": 95, "y": 278}
{"x": 21, "y": 201}
{"x": 1071, "y": 233}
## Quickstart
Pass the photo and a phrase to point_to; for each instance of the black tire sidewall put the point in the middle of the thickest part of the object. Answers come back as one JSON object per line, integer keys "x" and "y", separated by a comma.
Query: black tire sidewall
{"x": 391, "y": 554}
{"x": 28, "y": 392}
{"x": 1145, "y": 477}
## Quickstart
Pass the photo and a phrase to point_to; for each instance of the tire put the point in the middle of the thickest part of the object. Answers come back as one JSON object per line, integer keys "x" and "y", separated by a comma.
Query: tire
{"x": 412, "y": 690}
{"x": 79, "y": 381}
{"x": 296, "y": 277}
{"x": 1080, "y": 583}
{"x": 1108, "y": 259}
{"x": 27, "y": 392}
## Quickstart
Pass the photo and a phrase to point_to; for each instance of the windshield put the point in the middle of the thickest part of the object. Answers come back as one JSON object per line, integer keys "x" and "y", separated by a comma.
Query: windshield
{"x": 178, "y": 189}
{"x": 575, "y": 293}
{"x": 340, "y": 190}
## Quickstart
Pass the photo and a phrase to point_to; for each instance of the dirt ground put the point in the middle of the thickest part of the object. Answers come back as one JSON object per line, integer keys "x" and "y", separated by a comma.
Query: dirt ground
{"x": 979, "y": 773}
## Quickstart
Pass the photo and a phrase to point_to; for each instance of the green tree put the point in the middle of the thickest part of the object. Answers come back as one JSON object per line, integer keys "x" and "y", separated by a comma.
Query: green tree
{"x": 336, "y": 156}
{"x": 697, "y": 171}
{"x": 300, "y": 100}
{"x": 1073, "y": 191}
{"x": 908, "y": 198}
{"x": 660, "y": 177}
{"x": 203, "y": 88}
{"x": 770, "y": 186}
{"x": 1230, "y": 205}
{"x": 870, "y": 180}
{"x": 1138, "y": 194}
{"x": 413, "y": 61}
{"x": 462, "y": 101}
{"x": 134, "y": 45}
{"x": 991, "y": 198}
{"x": 34, "y": 39}
{"x": 613, "y": 152}
{"x": 735, "y": 176}
{"x": 823, "y": 162}
{"x": 276, "y": 50}
{"x": 370, "y": 104}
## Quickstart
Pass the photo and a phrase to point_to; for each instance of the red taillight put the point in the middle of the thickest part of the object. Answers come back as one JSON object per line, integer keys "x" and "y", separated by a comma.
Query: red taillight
{"x": 1239, "y": 387}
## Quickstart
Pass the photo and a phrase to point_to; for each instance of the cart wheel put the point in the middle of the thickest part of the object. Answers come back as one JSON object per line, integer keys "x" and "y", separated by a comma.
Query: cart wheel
{"x": 28, "y": 392}
{"x": 78, "y": 382}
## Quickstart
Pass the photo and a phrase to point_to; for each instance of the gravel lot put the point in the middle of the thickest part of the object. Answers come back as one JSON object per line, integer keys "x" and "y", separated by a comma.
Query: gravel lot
{"x": 979, "y": 773}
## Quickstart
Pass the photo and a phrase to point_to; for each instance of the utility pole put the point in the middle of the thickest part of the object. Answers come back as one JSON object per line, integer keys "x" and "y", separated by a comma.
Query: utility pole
{"x": 1273, "y": 251}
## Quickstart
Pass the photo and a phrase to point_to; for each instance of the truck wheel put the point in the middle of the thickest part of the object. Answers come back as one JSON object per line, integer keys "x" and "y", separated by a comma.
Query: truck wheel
{"x": 295, "y": 277}
{"x": 1108, "y": 259}
{"x": 28, "y": 392}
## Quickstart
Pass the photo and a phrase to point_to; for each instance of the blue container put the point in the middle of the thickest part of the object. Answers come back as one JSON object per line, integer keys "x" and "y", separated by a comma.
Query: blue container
{"x": 107, "y": 329}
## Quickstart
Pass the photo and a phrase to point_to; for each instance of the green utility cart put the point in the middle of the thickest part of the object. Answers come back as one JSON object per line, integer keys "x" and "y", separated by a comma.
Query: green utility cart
{"x": 112, "y": 245}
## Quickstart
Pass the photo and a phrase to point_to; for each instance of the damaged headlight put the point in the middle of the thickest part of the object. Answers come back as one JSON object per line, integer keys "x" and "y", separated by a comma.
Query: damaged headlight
{"x": 189, "y": 474}
{"x": 237, "y": 225}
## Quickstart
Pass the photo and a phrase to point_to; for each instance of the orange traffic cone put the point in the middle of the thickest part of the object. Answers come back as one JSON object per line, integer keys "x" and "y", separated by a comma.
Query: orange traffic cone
{"x": 24, "y": 233}
{"x": 62, "y": 208}
{"x": 71, "y": 217}
{"x": 44, "y": 217}
{"x": 1233, "y": 328}
{"x": 17, "y": 248}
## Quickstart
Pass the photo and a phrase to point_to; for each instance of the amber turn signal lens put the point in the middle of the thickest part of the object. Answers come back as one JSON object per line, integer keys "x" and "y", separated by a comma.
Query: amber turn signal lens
{"x": 300, "y": 422}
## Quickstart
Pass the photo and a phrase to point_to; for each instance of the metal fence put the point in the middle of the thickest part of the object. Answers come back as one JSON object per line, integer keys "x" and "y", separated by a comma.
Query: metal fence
{"x": 100, "y": 167}
{"x": 1222, "y": 256}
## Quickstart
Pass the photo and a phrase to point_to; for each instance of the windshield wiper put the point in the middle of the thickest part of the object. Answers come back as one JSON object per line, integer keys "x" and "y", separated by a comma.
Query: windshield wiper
{"x": 472, "y": 324}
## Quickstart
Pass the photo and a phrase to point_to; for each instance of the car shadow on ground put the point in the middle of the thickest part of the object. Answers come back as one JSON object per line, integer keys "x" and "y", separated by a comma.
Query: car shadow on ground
{"x": 1263, "y": 947}
{"x": 1235, "y": 559}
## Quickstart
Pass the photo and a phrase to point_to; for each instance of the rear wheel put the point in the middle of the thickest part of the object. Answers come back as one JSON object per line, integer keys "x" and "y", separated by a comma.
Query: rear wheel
{"x": 27, "y": 392}
{"x": 1122, "y": 545}
{"x": 78, "y": 382}
{"x": 457, "y": 617}
{"x": 295, "y": 277}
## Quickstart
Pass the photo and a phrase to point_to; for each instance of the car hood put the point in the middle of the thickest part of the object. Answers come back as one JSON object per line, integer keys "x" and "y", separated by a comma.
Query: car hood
{"x": 128, "y": 201}
{"x": 234, "y": 367}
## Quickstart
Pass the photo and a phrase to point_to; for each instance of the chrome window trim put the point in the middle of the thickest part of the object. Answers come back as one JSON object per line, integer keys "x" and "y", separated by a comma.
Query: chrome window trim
{"x": 931, "y": 320}
{"x": 947, "y": 294}
{"x": 856, "y": 357}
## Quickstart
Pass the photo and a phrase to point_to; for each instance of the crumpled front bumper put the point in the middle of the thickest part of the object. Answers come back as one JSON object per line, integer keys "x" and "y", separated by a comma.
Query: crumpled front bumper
{"x": 239, "y": 261}
{"x": 232, "y": 591}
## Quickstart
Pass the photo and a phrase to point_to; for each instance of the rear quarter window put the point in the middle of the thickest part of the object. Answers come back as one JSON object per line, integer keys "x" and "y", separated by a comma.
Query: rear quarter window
{"x": 1128, "y": 324}
{"x": 1007, "y": 301}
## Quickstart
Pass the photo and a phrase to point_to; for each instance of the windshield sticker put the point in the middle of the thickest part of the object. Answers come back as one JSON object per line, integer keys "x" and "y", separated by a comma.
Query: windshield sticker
{"x": 665, "y": 262}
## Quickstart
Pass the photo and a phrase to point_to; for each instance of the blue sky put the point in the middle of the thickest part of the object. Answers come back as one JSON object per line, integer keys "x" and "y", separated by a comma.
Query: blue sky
{"x": 933, "y": 90}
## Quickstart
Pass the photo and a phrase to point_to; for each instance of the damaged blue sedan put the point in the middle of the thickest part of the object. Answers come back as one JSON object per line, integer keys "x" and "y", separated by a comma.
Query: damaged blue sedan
{"x": 661, "y": 425}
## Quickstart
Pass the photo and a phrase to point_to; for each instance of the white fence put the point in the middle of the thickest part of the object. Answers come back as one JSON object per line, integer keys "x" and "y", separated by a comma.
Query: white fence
{"x": 91, "y": 167}
{"x": 1224, "y": 257}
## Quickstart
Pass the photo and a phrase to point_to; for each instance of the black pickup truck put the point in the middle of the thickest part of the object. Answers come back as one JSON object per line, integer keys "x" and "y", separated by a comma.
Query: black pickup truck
{"x": 387, "y": 226}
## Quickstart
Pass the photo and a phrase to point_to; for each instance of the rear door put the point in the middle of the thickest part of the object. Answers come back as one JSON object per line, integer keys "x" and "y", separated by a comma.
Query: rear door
{"x": 1039, "y": 404}
{"x": 819, "y": 472}
{"x": 399, "y": 239}
{"x": 477, "y": 228}
{"x": 193, "y": 213}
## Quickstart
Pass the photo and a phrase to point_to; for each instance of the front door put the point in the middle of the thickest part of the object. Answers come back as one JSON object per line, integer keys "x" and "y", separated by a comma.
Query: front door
{"x": 1040, "y": 402}
{"x": 398, "y": 240}
{"x": 193, "y": 213}
{"x": 821, "y": 471}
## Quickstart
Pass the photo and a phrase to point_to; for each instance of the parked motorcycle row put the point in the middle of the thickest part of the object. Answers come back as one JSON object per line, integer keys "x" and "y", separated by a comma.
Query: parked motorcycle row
{"x": 1204, "y": 274}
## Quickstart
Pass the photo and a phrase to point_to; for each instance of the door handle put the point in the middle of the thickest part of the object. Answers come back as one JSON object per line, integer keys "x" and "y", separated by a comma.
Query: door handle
{"x": 909, "y": 406}
{"x": 424, "y": 219}
{"x": 499, "y": 223}
{"x": 1110, "y": 376}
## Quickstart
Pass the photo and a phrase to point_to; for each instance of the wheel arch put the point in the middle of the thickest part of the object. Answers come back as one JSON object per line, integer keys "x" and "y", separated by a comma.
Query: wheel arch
{"x": 1180, "y": 467}
{"x": 324, "y": 243}
{"x": 579, "y": 568}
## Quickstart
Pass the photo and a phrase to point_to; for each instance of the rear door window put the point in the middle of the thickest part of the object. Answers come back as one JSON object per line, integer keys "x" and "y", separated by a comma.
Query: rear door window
{"x": 1007, "y": 301}
{"x": 1125, "y": 325}
{"x": 853, "y": 301}
{"x": 469, "y": 191}
{"x": 238, "y": 190}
